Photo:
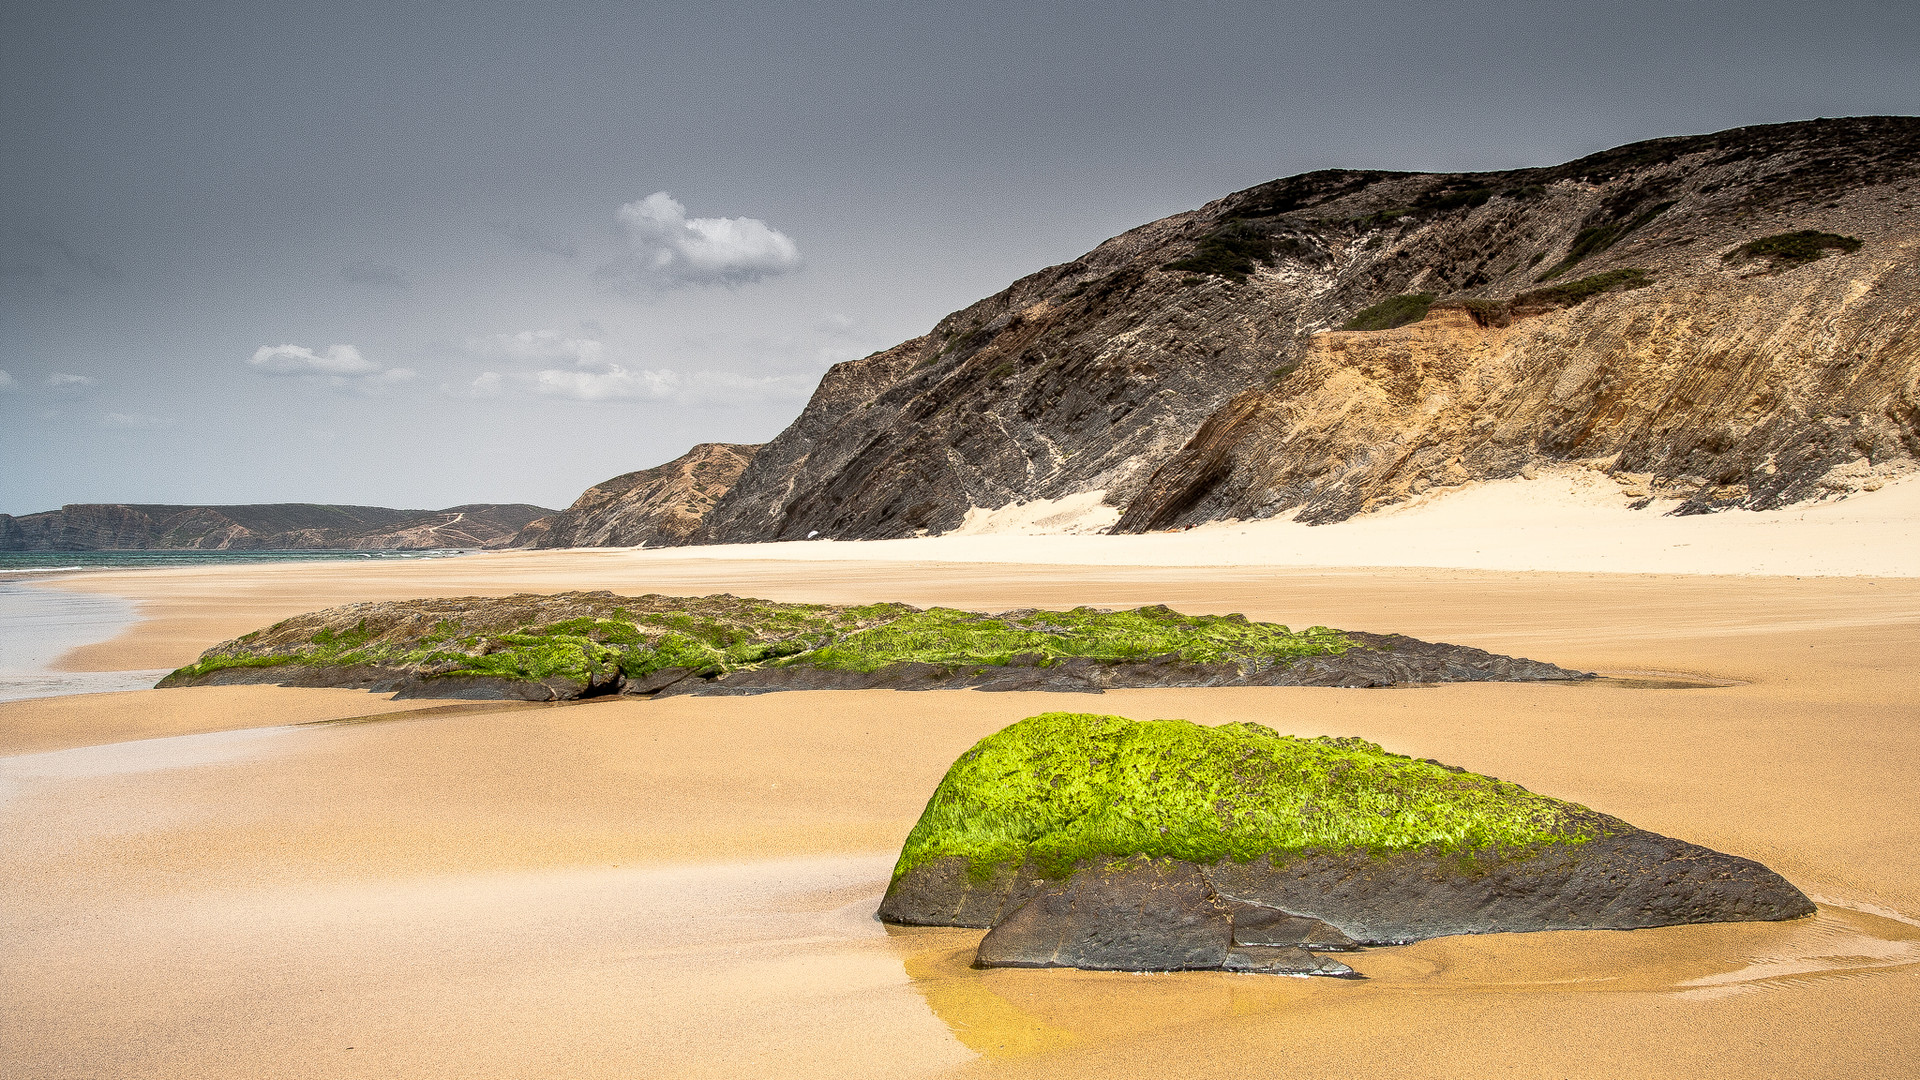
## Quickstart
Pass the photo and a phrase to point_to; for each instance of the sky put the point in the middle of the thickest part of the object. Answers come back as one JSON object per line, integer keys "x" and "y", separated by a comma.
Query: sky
{"x": 424, "y": 254}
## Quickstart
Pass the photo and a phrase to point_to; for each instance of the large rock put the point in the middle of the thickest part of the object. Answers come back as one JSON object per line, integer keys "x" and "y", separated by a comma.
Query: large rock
{"x": 573, "y": 645}
{"x": 1097, "y": 842}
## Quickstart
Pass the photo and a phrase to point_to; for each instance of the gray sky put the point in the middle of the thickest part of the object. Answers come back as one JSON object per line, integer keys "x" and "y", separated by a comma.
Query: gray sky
{"x": 415, "y": 254}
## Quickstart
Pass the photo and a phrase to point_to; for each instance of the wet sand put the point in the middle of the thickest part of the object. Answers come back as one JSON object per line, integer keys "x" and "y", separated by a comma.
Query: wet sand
{"x": 684, "y": 888}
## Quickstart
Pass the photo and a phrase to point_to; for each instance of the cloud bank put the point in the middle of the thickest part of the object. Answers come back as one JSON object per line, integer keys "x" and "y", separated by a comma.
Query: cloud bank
{"x": 669, "y": 250}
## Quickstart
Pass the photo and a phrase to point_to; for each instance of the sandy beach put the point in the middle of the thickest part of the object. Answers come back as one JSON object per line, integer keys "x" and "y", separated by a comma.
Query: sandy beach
{"x": 256, "y": 881}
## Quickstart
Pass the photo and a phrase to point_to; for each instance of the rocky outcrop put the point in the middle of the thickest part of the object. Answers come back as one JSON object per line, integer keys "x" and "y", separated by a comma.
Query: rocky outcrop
{"x": 574, "y": 645}
{"x": 264, "y": 527}
{"x": 1099, "y": 842}
{"x": 658, "y": 507}
{"x": 1615, "y": 311}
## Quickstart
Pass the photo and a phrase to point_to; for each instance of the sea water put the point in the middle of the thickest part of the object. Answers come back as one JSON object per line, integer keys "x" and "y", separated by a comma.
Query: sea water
{"x": 39, "y": 620}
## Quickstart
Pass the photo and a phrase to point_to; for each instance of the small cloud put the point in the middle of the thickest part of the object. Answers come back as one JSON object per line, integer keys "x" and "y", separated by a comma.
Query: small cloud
{"x": 61, "y": 380}
{"x": 835, "y": 323}
{"x": 533, "y": 240}
{"x": 134, "y": 421}
{"x": 614, "y": 383}
{"x": 299, "y": 360}
{"x": 668, "y": 250}
{"x": 488, "y": 384}
{"x": 376, "y": 275}
{"x": 341, "y": 367}
{"x": 540, "y": 347}
{"x": 7, "y": 381}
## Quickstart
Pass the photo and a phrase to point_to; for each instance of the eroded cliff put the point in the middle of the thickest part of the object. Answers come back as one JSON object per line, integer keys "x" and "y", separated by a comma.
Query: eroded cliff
{"x": 1732, "y": 318}
{"x": 658, "y": 507}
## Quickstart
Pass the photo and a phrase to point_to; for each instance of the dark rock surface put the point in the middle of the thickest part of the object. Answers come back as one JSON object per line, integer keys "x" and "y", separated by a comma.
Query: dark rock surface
{"x": 1190, "y": 392}
{"x": 1146, "y": 915}
{"x": 265, "y": 527}
{"x": 1382, "y": 660}
{"x": 1163, "y": 915}
{"x": 658, "y": 507}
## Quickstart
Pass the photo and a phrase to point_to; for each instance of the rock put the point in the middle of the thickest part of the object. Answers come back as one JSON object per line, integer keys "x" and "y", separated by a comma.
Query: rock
{"x": 574, "y": 645}
{"x": 659, "y": 507}
{"x": 1144, "y": 916}
{"x": 1580, "y": 311}
{"x": 1099, "y": 842}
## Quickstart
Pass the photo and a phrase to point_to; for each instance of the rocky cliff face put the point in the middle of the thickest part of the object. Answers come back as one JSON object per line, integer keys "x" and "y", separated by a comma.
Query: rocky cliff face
{"x": 265, "y": 527}
{"x": 1732, "y": 319}
{"x": 658, "y": 507}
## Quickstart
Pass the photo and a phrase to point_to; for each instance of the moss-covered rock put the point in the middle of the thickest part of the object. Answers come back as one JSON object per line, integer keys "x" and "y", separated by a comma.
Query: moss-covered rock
{"x": 574, "y": 645}
{"x": 1376, "y": 846}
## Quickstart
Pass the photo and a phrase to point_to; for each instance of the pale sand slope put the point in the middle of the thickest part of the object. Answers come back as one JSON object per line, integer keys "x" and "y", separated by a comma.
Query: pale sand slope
{"x": 681, "y": 888}
{"x": 1569, "y": 519}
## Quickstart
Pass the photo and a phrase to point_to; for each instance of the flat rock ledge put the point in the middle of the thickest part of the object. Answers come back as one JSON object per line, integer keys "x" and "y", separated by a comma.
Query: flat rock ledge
{"x": 1378, "y": 660}
{"x": 1141, "y": 914}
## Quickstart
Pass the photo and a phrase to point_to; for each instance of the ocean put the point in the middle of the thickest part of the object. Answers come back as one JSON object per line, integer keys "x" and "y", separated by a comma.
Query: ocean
{"x": 38, "y": 624}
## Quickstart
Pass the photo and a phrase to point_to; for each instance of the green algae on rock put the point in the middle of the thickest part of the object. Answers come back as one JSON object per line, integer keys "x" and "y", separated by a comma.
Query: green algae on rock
{"x": 1101, "y": 842}
{"x": 573, "y": 645}
{"x": 1062, "y": 788}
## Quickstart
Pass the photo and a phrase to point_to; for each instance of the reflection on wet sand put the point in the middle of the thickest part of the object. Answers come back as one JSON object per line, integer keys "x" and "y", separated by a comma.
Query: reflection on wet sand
{"x": 1011, "y": 1013}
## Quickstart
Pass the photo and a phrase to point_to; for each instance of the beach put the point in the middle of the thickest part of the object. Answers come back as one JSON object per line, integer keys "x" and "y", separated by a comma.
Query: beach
{"x": 246, "y": 881}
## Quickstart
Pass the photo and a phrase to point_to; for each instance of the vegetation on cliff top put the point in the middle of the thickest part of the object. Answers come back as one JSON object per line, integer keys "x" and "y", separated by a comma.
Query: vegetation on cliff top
{"x": 1062, "y": 787}
{"x": 519, "y": 637}
{"x": 1392, "y": 312}
{"x": 1790, "y": 249}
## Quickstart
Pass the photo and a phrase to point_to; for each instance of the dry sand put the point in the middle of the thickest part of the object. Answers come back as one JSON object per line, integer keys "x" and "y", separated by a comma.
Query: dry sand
{"x": 684, "y": 888}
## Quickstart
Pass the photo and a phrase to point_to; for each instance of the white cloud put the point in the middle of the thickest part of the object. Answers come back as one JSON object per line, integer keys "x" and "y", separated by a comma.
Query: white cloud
{"x": 60, "y": 380}
{"x": 341, "y": 367}
{"x": 614, "y": 383}
{"x": 668, "y": 249}
{"x": 6, "y": 381}
{"x": 297, "y": 360}
{"x": 541, "y": 347}
{"x": 489, "y": 384}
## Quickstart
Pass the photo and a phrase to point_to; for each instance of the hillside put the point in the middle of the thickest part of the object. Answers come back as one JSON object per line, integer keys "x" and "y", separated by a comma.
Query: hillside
{"x": 1729, "y": 319}
{"x": 263, "y": 527}
{"x": 657, "y": 507}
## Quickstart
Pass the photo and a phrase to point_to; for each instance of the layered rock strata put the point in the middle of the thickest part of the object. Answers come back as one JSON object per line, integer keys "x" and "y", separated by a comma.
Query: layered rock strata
{"x": 659, "y": 507}
{"x": 1643, "y": 311}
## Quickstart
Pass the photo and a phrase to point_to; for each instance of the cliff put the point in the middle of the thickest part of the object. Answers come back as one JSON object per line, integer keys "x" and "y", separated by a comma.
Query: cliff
{"x": 657, "y": 507}
{"x": 1729, "y": 319}
{"x": 263, "y": 527}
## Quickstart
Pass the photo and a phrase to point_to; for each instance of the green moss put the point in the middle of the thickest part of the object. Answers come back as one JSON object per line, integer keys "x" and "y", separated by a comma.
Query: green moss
{"x": 1791, "y": 249}
{"x": 1062, "y": 787}
{"x": 961, "y": 638}
{"x": 1391, "y": 312}
{"x": 715, "y": 635}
